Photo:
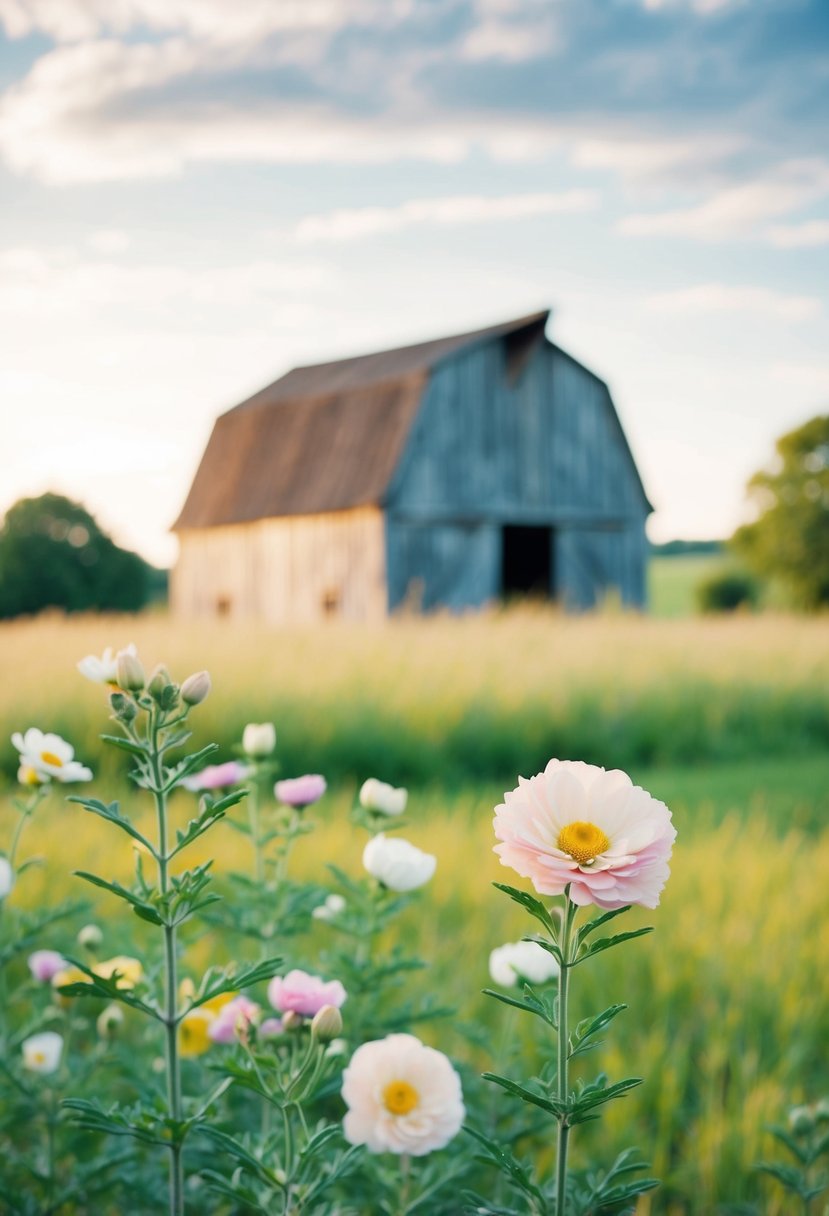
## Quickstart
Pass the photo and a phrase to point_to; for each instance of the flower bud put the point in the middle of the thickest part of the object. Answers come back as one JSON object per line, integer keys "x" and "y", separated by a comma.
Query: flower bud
{"x": 123, "y": 707}
{"x": 327, "y": 1024}
{"x": 90, "y": 937}
{"x": 336, "y": 1048}
{"x": 6, "y": 877}
{"x": 292, "y": 1021}
{"x": 802, "y": 1120}
{"x": 110, "y": 1020}
{"x": 196, "y": 688}
{"x": 129, "y": 674}
{"x": 159, "y": 680}
{"x": 259, "y": 739}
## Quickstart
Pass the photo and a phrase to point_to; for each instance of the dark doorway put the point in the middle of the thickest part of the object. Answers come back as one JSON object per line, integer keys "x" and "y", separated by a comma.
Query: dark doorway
{"x": 527, "y": 561}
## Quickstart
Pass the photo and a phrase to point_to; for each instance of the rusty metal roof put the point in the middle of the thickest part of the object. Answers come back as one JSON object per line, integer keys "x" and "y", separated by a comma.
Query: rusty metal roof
{"x": 322, "y": 438}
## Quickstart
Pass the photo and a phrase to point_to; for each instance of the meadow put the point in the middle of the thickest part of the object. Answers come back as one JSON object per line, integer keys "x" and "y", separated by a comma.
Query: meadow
{"x": 727, "y": 720}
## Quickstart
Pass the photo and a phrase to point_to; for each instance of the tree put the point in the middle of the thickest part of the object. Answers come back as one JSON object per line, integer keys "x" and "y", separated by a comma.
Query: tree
{"x": 789, "y": 540}
{"x": 53, "y": 554}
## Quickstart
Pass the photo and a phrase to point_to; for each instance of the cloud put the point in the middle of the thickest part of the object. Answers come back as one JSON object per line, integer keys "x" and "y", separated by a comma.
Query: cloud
{"x": 722, "y": 297}
{"x": 806, "y": 235}
{"x": 358, "y": 222}
{"x": 738, "y": 210}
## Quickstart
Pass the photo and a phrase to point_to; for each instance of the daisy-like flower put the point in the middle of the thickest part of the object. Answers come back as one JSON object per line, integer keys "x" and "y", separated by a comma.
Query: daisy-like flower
{"x": 42, "y": 1052}
{"x": 402, "y": 1097}
{"x": 103, "y": 670}
{"x": 516, "y": 961}
{"x": 304, "y": 994}
{"x": 579, "y": 826}
{"x": 49, "y": 756}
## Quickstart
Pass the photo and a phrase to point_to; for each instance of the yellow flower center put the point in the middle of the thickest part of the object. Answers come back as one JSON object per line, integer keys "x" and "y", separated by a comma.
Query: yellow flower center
{"x": 38, "y": 1057}
{"x": 583, "y": 841}
{"x": 399, "y": 1097}
{"x": 51, "y": 758}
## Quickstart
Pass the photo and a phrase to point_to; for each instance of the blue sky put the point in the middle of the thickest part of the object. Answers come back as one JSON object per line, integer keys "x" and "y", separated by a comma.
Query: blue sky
{"x": 197, "y": 195}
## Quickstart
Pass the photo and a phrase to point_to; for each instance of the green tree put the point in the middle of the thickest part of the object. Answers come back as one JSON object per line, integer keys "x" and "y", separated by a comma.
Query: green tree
{"x": 789, "y": 540}
{"x": 53, "y": 554}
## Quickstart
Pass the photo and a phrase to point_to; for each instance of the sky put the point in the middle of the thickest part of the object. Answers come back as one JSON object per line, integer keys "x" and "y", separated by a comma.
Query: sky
{"x": 197, "y": 195}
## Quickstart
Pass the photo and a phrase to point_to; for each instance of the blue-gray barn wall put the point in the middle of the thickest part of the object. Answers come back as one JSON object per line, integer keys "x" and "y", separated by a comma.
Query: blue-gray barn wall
{"x": 484, "y": 453}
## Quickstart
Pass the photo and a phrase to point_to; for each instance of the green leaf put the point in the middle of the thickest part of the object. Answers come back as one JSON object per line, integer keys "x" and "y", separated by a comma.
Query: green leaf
{"x": 605, "y": 943}
{"x": 506, "y": 1163}
{"x": 592, "y": 1026}
{"x": 139, "y": 906}
{"x": 597, "y": 1094}
{"x": 113, "y": 814}
{"x": 553, "y": 1105}
{"x": 529, "y": 1003}
{"x": 532, "y": 905}
{"x": 190, "y": 764}
{"x": 126, "y": 745}
{"x": 593, "y": 925}
{"x": 210, "y": 813}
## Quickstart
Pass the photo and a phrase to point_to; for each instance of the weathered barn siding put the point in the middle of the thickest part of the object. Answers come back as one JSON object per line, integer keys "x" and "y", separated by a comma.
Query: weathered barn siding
{"x": 488, "y": 450}
{"x": 297, "y": 569}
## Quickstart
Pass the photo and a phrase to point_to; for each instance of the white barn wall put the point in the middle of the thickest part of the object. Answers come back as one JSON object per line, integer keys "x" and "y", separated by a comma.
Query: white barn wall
{"x": 299, "y": 569}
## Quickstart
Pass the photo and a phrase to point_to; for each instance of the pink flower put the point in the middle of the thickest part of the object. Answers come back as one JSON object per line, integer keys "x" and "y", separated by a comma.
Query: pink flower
{"x": 234, "y": 1017}
{"x": 300, "y": 791}
{"x": 270, "y": 1028}
{"x": 217, "y": 776}
{"x": 299, "y": 992}
{"x": 46, "y": 964}
{"x": 579, "y": 825}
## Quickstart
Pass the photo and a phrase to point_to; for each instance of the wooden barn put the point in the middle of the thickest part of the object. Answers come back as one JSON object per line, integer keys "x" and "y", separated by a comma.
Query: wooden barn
{"x": 448, "y": 474}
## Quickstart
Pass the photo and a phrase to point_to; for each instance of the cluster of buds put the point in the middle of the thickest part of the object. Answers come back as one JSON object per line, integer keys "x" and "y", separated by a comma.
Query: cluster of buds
{"x": 129, "y": 687}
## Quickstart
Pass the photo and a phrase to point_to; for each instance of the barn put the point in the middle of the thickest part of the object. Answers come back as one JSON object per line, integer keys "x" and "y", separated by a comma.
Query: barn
{"x": 448, "y": 474}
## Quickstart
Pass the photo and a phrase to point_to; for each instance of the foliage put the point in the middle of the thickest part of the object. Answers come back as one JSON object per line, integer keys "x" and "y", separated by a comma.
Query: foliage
{"x": 789, "y": 540}
{"x": 727, "y": 590}
{"x": 53, "y": 554}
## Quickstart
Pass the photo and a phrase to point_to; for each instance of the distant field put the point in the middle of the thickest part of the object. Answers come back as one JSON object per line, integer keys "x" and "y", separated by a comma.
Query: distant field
{"x": 672, "y": 581}
{"x": 725, "y": 719}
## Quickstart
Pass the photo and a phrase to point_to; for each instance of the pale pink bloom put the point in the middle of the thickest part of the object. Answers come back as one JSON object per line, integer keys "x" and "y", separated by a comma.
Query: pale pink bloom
{"x": 46, "y": 964}
{"x": 579, "y": 825}
{"x": 299, "y": 992}
{"x": 237, "y": 1015}
{"x": 402, "y": 1097}
{"x": 270, "y": 1028}
{"x": 217, "y": 776}
{"x": 300, "y": 791}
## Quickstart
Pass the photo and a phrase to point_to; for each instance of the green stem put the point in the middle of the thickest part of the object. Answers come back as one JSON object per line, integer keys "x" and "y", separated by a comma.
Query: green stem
{"x": 405, "y": 1182}
{"x": 255, "y": 835}
{"x": 562, "y": 1081}
{"x": 170, "y": 979}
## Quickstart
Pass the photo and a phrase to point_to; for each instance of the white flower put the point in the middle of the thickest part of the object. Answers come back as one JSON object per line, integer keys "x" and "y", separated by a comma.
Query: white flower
{"x": 516, "y": 961}
{"x": 102, "y": 671}
{"x": 6, "y": 877}
{"x": 42, "y": 1052}
{"x": 397, "y": 864}
{"x": 259, "y": 739}
{"x": 48, "y": 756}
{"x": 110, "y": 1021}
{"x": 90, "y": 937}
{"x": 402, "y": 1097}
{"x": 331, "y": 909}
{"x": 379, "y": 796}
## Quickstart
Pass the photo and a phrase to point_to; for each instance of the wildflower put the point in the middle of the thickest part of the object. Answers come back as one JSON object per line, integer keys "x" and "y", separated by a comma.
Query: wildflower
{"x": 234, "y": 1020}
{"x": 327, "y": 1024}
{"x": 129, "y": 674}
{"x": 49, "y": 756}
{"x": 300, "y": 791}
{"x": 90, "y": 937}
{"x": 516, "y": 961}
{"x": 42, "y": 1052}
{"x": 196, "y": 688}
{"x": 27, "y": 774}
{"x": 332, "y": 907}
{"x": 576, "y": 825}
{"x": 194, "y": 1032}
{"x": 384, "y": 799}
{"x": 46, "y": 964}
{"x": 6, "y": 877}
{"x": 110, "y": 1020}
{"x": 217, "y": 776}
{"x": 259, "y": 739}
{"x": 402, "y": 1097}
{"x": 130, "y": 970}
{"x": 270, "y": 1028}
{"x": 398, "y": 864}
{"x": 103, "y": 670}
{"x": 301, "y": 993}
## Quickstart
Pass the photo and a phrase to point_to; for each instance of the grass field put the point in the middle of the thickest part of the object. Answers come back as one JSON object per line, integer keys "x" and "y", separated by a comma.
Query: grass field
{"x": 726, "y": 720}
{"x": 673, "y": 581}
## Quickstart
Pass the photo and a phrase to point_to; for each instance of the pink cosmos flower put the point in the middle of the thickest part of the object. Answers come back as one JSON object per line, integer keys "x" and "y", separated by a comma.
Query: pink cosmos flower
{"x": 217, "y": 776}
{"x": 300, "y": 791}
{"x": 46, "y": 964}
{"x": 237, "y": 1015}
{"x": 299, "y": 992}
{"x": 579, "y": 825}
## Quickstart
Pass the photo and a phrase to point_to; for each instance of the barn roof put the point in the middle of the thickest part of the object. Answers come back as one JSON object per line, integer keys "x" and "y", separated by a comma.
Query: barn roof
{"x": 326, "y": 437}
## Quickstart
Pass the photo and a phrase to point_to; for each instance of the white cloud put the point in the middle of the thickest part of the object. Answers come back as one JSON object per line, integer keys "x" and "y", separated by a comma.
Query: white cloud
{"x": 348, "y": 225}
{"x": 108, "y": 241}
{"x": 644, "y": 157}
{"x": 737, "y": 210}
{"x": 800, "y": 236}
{"x": 722, "y": 297}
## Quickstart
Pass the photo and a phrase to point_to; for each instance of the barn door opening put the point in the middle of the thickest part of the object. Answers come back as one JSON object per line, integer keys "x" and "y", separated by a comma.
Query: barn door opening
{"x": 527, "y": 561}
